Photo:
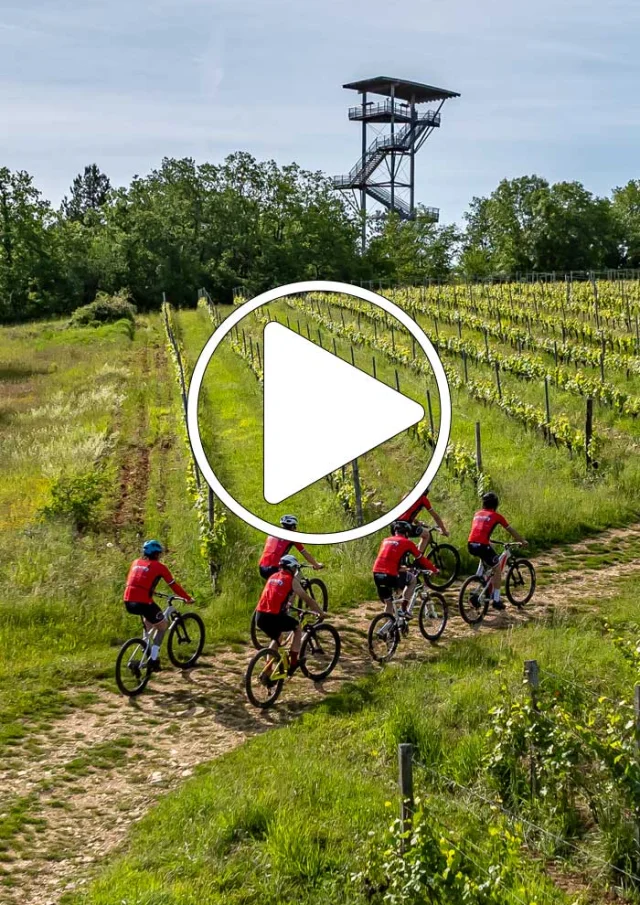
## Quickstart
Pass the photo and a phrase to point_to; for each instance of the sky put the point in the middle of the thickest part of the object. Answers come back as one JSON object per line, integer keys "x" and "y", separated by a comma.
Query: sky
{"x": 548, "y": 87}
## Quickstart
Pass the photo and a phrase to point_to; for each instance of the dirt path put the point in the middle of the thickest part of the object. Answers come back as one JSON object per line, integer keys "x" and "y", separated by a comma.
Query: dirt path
{"x": 82, "y": 783}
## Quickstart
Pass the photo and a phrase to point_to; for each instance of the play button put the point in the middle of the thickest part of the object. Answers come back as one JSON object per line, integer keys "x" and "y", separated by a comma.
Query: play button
{"x": 351, "y": 411}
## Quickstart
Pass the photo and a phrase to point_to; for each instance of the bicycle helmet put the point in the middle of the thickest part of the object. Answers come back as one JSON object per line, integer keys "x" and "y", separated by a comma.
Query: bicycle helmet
{"x": 289, "y": 521}
{"x": 289, "y": 562}
{"x": 150, "y": 547}
{"x": 403, "y": 528}
{"x": 490, "y": 500}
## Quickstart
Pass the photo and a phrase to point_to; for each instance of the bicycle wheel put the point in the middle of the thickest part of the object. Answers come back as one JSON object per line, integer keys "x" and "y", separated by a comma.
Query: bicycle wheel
{"x": 258, "y": 637}
{"x": 447, "y": 560}
{"x": 433, "y": 615}
{"x": 186, "y": 640}
{"x": 383, "y": 637}
{"x": 318, "y": 590}
{"x": 320, "y": 652}
{"x": 264, "y": 678}
{"x": 473, "y": 601}
{"x": 131, "y": 676}
{"x": 521, "y": 582}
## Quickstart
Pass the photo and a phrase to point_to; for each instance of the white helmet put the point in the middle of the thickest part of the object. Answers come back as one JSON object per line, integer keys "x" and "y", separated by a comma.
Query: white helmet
{"x": 289, "y": 562}
{"x": 289, "y": 521}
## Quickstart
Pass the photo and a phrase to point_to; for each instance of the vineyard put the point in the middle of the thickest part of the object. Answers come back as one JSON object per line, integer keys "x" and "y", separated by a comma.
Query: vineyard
{"x": 526, "y": 792}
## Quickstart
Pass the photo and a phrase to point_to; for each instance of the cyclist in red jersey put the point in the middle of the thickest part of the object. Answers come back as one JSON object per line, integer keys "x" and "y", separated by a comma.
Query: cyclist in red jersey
{"x": 275, "y": 548}
{"x": 418, "y": 530}
{"x": 272, "y": 617}
{"x": 479, "y": 543}
{"x": 144, "y": 575}
{"x": 390, "y": 567}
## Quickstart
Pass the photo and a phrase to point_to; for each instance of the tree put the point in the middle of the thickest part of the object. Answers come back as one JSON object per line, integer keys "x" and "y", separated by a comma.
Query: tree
{"x": 89, "y": 192}
{"x": 412, "y": 251}
{"x": 626, "y": 211}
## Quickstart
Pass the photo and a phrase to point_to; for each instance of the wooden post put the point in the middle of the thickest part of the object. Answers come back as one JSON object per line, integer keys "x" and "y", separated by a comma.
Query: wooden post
{"x": 397, "y": 380}
{"x": 588, "y": 431}
{"x": 210, "y": 508}
{"x": 320, "y": 338}
{"x": 335, "y": 348}
{"x": 258, "y": 351}
{"x": 429, "y": 406}
{"x": 405, "y": 781}
{"x": 486, "y": 343}
{"x": 269, "y": 316}
{"x": 464, "y": 362}
{"x": 375, "y": 330}
{"x": 308, "y": 331}
{"x": 244, "y": 342}
{"x": 353, "y": 358}
{"x": 532, "y": 675}
{"x": 299, "y": 331}
{"x": 459, "y": 329}
{"x": 478, "y": 448}
{"x": 393, "y": 339}
{"x": 546, "y": 402}
{"x": 375, "y": 372}
{"x": 413, "y": 346}
{"x": 358, "y": 492}
{"x": 497, "y": 369}
{"x": 251, "y": 347}
{"x": 602, "y": 354}
{"x": 555, "y": 352}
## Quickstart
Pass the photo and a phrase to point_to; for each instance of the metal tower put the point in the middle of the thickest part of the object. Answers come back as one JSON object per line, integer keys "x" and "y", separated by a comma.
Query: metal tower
{"x": 386, "y": 168}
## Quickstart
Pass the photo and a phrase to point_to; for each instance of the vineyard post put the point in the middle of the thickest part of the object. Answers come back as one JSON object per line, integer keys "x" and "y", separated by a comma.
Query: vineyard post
{"x": 342, "y": 316}
{"x": 405, "y": 781}
{"x": 299, "y": 332}
{"x": 413, "y": 345}
{"x": 464, "y": 361}
{"x": 547, "y": 406}
{"x": 486, "y": 342}
{"x": 358, "y": 492}
{"x": 497, "y": 369}
{"x": 532, "y": 675}
{"x": 244, "y": 342}
{"x": 397, "y": 380}
{"x": 459, "y": 328}
{"x": 637, "y": 335}
{"x": 288, "y": 324}
{"x": 375, "y": 372}
{"x": 602, "y": 354}
{"x": 375, "y": 330}
{"x": 429, "y": 406}
{"x": 259, "y": 357}
{"x": 636, "y": 714}
{"x": 588, "y": 432}
{"x": 320, "y": 338}
{"x": 353, "y": 358}
{"x": 595, "y": 299}
{"x": 308, "y": 331}
{"x": 555, "y": 352}
{"x": 478, "y": 448}
{"x": 393, "y": 339}
{"x": 335, "y": 348}
{"x": 251, "y": 347}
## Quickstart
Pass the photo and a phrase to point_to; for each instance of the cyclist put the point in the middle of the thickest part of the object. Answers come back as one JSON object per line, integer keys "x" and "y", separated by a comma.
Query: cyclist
{"x": 275, "y": 548}
{"x": 144, "y": 575}
{"x": 418, "y": 530}
{"x": 272, "y": 617}
{"x": 390, "y": 568}
{"x": 479, "y": 543}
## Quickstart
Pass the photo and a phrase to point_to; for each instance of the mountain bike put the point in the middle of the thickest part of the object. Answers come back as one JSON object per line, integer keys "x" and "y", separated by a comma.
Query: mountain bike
{"x": 185, "y": 640}
{"x": 269, "y": 667}
{"x": 386, "y": 630}
{"x": 313, "y": 586}
{"x": 444, "y": 556}
{"x": 520, "y": 584}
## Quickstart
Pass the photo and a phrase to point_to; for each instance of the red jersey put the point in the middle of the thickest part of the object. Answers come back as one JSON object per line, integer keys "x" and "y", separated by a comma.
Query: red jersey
{"x": 421, "y": 503}
{"x": 484, "y": 521}
{"x": 275, "y": 592}
{"x": 391, "y": 552}
{"x": 274, "y": 549}
{"x": 143, "y": 577}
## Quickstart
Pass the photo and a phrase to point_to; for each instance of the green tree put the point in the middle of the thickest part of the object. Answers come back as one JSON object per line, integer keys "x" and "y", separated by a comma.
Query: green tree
{"x": 89, "y": 192}
{"x": 626, "y": 210}
{"x": 412, "y": 251}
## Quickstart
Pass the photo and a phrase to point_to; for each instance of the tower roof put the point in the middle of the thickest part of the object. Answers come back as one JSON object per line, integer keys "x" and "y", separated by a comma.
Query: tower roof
{"x": 403, "y": 89}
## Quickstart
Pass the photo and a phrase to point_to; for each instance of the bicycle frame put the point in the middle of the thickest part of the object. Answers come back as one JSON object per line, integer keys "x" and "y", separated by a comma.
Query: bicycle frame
{"x": 148, "y": 637}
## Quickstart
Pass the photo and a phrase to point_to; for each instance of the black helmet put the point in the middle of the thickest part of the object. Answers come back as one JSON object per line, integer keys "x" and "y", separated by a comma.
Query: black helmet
{"x": 403, "y": 528}
{"x": 490, "y": 500}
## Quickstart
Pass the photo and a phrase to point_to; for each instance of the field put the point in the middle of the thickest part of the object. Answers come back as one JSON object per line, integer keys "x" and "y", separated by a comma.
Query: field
{"x": 188, "y": 794}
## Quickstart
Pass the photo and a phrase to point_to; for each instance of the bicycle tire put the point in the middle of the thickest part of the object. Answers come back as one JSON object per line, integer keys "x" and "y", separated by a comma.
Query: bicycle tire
{"x": 433, "y": 631}
{"x": 185, "y": 627}
{"x": 447, "y": 559}
{"x": 144, "y": 673}
{"x": 391, "y": 640}
{"x": 513, "y": 581}
{"x": 310, "y": 647}
{"x": 318, "y": 590}
{"x": 475, "y": 614}
{"x": 254, "y": 669}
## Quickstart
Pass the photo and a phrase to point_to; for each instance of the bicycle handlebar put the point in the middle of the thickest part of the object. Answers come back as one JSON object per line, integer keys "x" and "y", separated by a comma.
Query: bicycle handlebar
{"x": 508, "y": 543}
{"x": 171, "y": 597}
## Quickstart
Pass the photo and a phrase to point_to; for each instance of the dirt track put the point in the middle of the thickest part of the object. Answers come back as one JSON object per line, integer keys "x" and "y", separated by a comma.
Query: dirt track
{"x": 97, "y": 770}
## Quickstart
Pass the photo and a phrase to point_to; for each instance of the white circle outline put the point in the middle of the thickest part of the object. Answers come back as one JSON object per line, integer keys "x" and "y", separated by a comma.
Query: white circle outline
{"x": 271, "y": 295}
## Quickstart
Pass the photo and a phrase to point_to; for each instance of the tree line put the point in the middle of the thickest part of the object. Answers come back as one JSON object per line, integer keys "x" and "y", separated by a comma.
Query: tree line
{"x": 256, "y": 225}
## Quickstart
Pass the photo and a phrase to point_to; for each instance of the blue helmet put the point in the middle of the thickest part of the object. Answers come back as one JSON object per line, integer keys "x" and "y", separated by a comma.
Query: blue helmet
{"x": 150, "y": 547}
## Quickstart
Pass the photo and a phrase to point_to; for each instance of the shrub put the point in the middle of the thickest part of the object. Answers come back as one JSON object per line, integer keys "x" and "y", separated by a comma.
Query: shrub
{"x": 105, "y": 309}
{"x": 78, "y": 498}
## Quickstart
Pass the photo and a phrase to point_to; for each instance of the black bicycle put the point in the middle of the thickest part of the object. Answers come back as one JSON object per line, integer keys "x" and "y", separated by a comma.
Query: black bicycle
{"x": 445, "y": 558}
{"x": 185, "y": 640}
{"x": 520, "y": 584}
{"x": 313, "y": 586}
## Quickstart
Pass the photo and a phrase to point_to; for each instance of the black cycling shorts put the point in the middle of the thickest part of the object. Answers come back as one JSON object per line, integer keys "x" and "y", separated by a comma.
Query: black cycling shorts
{"x": 150, "y": 611}
{"x": 387, "y": 584}
{"x": 268, "y": 571}
{"x": 275, "y": 624}
{"x": 485, "y": 552}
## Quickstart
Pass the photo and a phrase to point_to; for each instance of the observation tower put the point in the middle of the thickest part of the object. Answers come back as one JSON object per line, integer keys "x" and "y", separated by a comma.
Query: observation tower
{"x": 385, "y": 170}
